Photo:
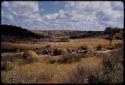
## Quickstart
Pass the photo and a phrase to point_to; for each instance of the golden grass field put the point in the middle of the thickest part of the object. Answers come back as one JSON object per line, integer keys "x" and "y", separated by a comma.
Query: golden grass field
{"x": 74, "y": 43}
{"x": 43, "y": 72}
{"x": 53, "y": 73}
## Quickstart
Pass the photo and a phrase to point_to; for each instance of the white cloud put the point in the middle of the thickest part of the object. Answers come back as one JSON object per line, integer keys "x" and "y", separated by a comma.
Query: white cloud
{"x": 52, "y": 16}
{"x": 81, "y": 15}
{"x": 92, "y": 13}
{"x": 21, "y": 12}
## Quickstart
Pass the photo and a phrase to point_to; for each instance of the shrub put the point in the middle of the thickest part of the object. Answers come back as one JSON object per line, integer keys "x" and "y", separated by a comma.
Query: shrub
{"x": 53, "y": 60}
{"x": 57, "y": 51}
{"x": 99, "y": 47}
{"x": 95, "y": 76}
{"x": 77, "y": 75}
{"x": 84, "y": 47}
{"x": 45, "y": 52}
{"x": 7, "y": 58}
{"x": 69, "y": 50}
{"x": 110, "y": 47}
{"x": 38, "y": 50}
{"x": 7, "y": 65}
{"x": 112, "y": 69}
{"x": 48, "y": 46}
{"x": 70, "y": 57}
{"x": 11, "y": 57}
{"x": 66, "y": 58}
{"x": 30, "y": 56}
{"x": 48, "y": 50}
{"x": 91, "y": 51}
{"x": 118, "y": 45}
{"x": 114, "y": 46}
{"x": 119, "y": 35}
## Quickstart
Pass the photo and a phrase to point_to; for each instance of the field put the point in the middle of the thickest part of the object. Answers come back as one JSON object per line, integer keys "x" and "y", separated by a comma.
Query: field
{"x": 48, "y": 68}
{"x": 73, "y": 43}
{"x": 62, "y": 42}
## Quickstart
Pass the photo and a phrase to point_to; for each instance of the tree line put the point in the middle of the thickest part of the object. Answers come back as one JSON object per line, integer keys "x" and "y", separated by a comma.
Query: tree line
{"x": 12, "y": 30}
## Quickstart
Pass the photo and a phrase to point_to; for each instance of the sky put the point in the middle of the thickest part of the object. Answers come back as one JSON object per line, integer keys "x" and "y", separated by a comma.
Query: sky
{"x": 63, "y": 15}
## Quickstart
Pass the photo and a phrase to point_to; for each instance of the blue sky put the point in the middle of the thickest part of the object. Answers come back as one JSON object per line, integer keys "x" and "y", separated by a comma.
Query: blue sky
{"x": 50, "y": 6}
{"x": 63, "y": 15}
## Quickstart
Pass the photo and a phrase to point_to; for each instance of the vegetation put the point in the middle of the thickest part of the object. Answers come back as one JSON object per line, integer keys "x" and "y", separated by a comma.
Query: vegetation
{"x": 17, "y": 32}
{"x": 30, "y": 56}
{"x": 78, "y": 74}
{"x": 111, "y": 71}
{"x": 111, "y": 31}
{"x": 87, "y": 60}
{"x": 6, "y": 65}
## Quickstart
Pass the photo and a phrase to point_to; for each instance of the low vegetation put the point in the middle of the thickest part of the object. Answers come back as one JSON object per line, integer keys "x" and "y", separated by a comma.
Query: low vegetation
{"x": 111, "y": 71}
{"x": 89, "y": 61}
{"x": 30, "y": 56}
{"x": 7, "y": 65}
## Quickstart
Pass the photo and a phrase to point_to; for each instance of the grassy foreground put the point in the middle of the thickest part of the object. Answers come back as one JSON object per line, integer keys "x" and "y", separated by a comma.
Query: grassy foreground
{"x": 90, "y": 69}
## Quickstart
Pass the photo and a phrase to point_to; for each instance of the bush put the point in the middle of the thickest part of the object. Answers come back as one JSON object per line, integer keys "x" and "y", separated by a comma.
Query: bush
{"x": 95, "y": 76}
{"x": 99, "y": 47}
{"x": 112, "y": 69}
{"x": 7, "y": 65}
{"x": 77, "y": 75}
{"x": 30, "y": 56}
{"x": 118, "y": 45}
{"x": 57, "y": 51}
{"x": 45, "y": 52}
{"x": 91, "y": 51}
{"x": 48, "y": 46}
{"x": 114, "y": 46}
{"x": 48, "y": 50}
{"x": 70, "y": 57}
{"x": 66, "y": 58}
{"x": 84, "y": 47}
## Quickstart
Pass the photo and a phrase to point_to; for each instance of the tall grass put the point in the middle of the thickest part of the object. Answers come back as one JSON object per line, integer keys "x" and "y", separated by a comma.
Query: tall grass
{"x": 111, "y": 71}
{"x": 78, "y": 74}
{"x": 66, "y": 58}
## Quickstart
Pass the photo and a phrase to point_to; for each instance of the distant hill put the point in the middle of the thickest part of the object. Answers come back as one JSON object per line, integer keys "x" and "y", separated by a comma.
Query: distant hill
{"x": 80, "y": 34}
{"x": 18, "y": 32}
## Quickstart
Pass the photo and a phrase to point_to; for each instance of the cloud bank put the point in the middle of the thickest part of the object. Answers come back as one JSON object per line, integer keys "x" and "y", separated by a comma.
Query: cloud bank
{"x": 76, "y": 15}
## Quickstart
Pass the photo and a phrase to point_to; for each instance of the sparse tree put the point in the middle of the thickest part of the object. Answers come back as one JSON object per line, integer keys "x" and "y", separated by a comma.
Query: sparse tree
{"x": 111, "y": 32}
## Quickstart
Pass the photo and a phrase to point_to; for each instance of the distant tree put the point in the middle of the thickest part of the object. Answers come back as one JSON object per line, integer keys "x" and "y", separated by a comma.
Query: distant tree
{"x": 111, "y": 32}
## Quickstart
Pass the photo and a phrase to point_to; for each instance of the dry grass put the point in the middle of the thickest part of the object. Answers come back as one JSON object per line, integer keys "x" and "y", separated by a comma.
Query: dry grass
{"x": 30, "y": 56}
{"x": 8, "y": 45}
{"x": 45, "y": 72}
{"x": 75, "y": 43}
{"x": 71, "y": 44}
{"x": 111, "y": 71}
